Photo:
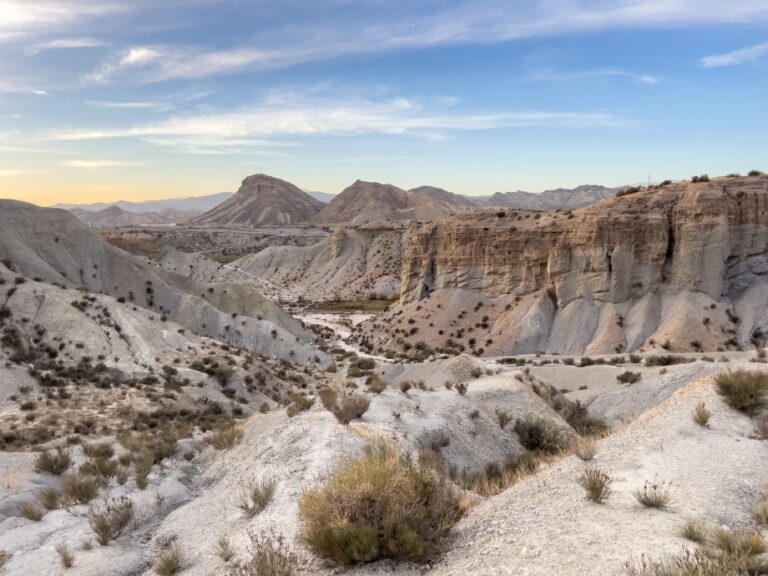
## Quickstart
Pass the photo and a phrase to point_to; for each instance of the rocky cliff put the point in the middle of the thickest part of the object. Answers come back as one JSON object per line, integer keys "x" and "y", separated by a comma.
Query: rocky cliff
{"x": 683, "y": 265}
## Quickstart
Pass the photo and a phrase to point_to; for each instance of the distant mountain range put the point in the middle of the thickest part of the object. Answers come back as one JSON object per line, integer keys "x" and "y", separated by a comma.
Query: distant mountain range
{"x": 191, "y": 204}
{"x": 264, "y": 200}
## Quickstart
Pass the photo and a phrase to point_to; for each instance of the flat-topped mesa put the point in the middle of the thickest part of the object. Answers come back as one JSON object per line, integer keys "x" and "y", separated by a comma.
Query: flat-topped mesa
{"x": 706, "y": 237}
{"x": 263, "y": 200}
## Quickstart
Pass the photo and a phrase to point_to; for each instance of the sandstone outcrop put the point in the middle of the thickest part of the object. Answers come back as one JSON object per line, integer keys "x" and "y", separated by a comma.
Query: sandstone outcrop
{"x": 684, "y": 263}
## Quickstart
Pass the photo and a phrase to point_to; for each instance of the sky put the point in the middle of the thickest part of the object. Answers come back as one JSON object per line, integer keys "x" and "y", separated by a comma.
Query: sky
{"x": 102, "y": 100}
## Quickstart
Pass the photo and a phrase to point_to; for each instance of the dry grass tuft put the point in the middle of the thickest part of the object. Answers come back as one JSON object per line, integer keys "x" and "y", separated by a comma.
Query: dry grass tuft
{"x": 586, "y": 449}
{"x": 299, "y": 403}
{"x": 80, "y": 488}
{"x": 66, "y": 557}
{"x": 693, "y": 531}
{"x": 346, "y": 407}
{"x": 257, "y": 496}
{"x": 224, "y": 548}
{"x": 110, "y": 521}
{"x": 701, "y": 414}
{"x": 379, "y": 505}
{"x": 760, "y": 509}
{"x": 53, "y": 461}
{"x": 169, "y": 561}
{"x": 31, "y": 511}
{"x": 596, "y": 484}
{"x": 270, "y": 556}
{"x": 654, "y": 494}
{"x": 226, "y": 438}
{"x": 49, "y": 498}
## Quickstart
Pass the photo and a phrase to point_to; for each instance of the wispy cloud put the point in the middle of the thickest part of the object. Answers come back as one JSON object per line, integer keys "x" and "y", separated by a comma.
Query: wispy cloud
{"x": 64, "y": 43}
{"x": 96, "y": 164}
{"x": 21, "y": 17}
{"x": 7, "y": 173}
{"x": 39, "y": 93}
{"x": 129, "y": 105}
{"x": 554, "y": 75}
{"x": 482, "y": 22}
{"x": 736, "y": 57}
{"x": 274, "y": 119}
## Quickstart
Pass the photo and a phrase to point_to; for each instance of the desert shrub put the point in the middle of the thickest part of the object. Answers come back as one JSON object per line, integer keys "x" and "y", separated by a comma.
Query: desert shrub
{"x": 270, "y": 556}
{"x": 405, "y": 385}
{"x": 226, "y": 438}
{"x": 503, "y": 418}
{"x": 375, "y": 384}
{"x": 80, "y": 488}
{"x": 628, "y": 377}
{"x": 102, "y": 468}
{"x": 586, "y": 448}
{"x": 693, "y": 531}
{"x": 31, "y": 511}
{"x": 462, "y": 387}
{"x": 53, "y": 461}
{"x": 169, "y": 561}
{"x": 49, "y": 498}
{"x": 760, "y": 509}
{"x": 4, "y": 558}
{"x": 666, "y": 360}
{"x": 365, "y": 364}
{"x": 739, "y": 543}
{"x": 110, "y": 521}
{"x": 98, "y": 450}
{"x": 224, "y": 548}
{"x": 379, "y": 505}
{"x": 541, "y": 435}
{"x": 66, "y": 557}
{"x": 299, "y": 403}
{"x": 653, "y": 494}
{"x": 345, "y": 407}
{"x": 257, "y": 496}
{"x": 701, "y": 414}
{"x": 743, "y": 390}
{"x": 596, "y": 484}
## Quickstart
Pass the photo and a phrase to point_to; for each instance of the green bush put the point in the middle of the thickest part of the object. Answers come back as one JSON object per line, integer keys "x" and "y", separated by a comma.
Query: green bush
{"x": 743, "y": 390}
{"x": 380, "y": 505}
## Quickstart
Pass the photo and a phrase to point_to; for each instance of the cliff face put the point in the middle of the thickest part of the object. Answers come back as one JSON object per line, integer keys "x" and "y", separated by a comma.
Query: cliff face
{"x": 684, "y": 265}
{"x": 706, "y": 237}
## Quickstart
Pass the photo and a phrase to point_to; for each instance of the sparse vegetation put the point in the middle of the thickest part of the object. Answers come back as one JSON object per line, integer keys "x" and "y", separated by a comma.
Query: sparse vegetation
{"x": 628, "y": 377}
{"x": 66, "y": 557}
{"x": 226, "y": 438}
{"x": 654, "y": 494}
{"x": 224, "y": 548}
{"x": 53, "y": 461}
{"x": 596, "y": 484}
{"x": 169, "y": 561}
{"x": 586, "y": 449}
{"x": 257, "y": 496}
{"x": 760, "y": 509}
{"x": 110, "y": 521}
{"x": 270, "y": 556}
{"x": 693, "y": 531}
{"x": 31, "y": 511}
{"x": 80, "y": 488}
{"x": 345, "y": 407}
{"x": 743, "y": 390}
{"x": 299, "y": 403}
{"x": 541, "y": 435}
{"x": 380, "y": 505}
{"x": 701, "y": 414}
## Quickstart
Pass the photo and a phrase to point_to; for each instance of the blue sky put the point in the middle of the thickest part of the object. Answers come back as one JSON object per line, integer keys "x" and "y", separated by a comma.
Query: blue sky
{"x": 102, "y": 100}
